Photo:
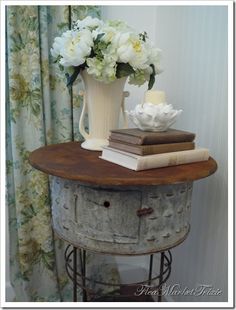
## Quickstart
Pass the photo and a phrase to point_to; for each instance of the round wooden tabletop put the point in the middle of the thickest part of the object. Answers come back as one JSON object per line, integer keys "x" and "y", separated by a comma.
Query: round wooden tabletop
{"x": 70, "y": 161}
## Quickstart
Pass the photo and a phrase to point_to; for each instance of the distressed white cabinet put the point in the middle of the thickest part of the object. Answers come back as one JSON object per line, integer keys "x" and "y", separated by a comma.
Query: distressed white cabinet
{"x": 118, "y": 220}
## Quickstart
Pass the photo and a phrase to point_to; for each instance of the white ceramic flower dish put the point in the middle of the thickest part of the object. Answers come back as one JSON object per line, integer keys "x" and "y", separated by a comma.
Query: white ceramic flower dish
{"x": 153, "y": 117}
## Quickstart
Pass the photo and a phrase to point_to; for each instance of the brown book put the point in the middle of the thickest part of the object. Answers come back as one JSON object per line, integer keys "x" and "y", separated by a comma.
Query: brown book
{"x": 137, "y": 136}
{"x": 151, "y": 148}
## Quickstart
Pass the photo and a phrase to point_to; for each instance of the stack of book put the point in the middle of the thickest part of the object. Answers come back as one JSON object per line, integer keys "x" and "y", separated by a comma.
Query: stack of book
{"x": 141, "y": 150}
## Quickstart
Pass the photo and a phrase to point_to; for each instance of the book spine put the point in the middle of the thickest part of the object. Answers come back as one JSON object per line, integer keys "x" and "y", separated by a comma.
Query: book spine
{"x": 126, "y": 138}
{"x": 118, "y": 158}
{"x": 171, "y": 159}
{"x": 151, "y": 149}
{"x": 167, "y": 139}
{"x": 135, "y": 149}
{"x": 167, "y": 148}
{"x": 152, "y": 139}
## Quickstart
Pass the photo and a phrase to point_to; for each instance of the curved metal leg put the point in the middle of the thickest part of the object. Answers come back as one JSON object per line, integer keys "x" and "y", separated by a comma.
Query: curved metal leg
{"x": 82, "y": 254}
{"x": 79, "y": 278}
{"x": 74, "y": 274}
{"x": 150, "y": 270}
{"x": 161, "y": 277}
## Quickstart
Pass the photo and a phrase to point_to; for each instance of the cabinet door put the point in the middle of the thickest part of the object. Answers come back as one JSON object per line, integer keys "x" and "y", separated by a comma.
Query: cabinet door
{"x": 107, "y": 215}
{"x": 169, "y": 221}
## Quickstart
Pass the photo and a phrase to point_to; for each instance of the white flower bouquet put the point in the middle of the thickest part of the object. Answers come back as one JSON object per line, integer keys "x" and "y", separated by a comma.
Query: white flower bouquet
{"x": 108, "y": 51}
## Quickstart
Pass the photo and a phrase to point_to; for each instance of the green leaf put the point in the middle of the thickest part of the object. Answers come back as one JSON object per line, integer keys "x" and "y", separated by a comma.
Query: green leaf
{"x": 151, "y": 81}
{"x": 143, "y": 36}
{"x": 98, "y": 38}
{"x": 72, "y": 78}
{"x": 152, "y": 77}
{"x": 57, "y": 60}
{"x": 99, "y": 47}
{"x": 123, "y": 69}
{"x": 61, "y": 67}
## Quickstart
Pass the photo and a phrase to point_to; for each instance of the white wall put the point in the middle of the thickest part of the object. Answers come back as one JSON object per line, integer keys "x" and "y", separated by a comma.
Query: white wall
{"x": 194, "y": 44}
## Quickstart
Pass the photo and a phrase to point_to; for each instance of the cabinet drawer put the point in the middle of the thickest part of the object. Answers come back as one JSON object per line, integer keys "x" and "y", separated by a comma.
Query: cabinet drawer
{"x": 108, "y": 215}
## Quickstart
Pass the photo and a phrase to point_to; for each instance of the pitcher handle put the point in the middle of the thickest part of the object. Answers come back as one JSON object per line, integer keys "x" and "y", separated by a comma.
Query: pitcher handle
{"x": 81, "y": 121}
{"x": 125, "y": 95}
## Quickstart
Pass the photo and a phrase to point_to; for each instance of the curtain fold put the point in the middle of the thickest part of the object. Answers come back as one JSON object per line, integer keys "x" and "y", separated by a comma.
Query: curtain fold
{"x": 40, "y": 110}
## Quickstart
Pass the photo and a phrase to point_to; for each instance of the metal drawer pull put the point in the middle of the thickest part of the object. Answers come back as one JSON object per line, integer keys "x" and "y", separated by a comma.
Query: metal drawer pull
{"x": 144, "y": 211}
{"x": 106, "y": 204}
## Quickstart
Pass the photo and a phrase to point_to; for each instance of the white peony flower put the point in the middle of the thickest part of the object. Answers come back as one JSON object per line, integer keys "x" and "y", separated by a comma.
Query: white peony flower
{"x": 103, "y": 46}
{"x": 59, "y": 42}
{"x": 56, "y": 47}
{"x": 132, "y": 50}
{"x": 73, "y": 47}
{"x": 119, "y": 25}
{"x": 107, "y": 31}
{"x": 110, "y": 29}
{"x": 88, "y": 22}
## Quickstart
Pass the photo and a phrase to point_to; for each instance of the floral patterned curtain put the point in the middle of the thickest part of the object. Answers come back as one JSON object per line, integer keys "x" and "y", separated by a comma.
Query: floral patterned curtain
{"x": 40, "y": 110}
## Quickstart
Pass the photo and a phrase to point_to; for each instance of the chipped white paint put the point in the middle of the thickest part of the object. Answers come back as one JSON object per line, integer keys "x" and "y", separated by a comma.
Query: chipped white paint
{"x": 105, "y": 219}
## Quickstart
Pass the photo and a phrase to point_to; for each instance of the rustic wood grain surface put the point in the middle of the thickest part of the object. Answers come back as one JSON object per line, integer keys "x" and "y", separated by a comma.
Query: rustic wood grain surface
{"x": 70, "y": 161}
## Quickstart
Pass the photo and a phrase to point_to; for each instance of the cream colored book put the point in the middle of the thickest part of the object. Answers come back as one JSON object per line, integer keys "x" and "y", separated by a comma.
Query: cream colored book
{"x": 137, "y": 162}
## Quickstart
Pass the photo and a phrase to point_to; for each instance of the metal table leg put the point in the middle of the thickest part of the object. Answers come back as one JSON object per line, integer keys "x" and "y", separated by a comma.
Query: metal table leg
{"x": 150, "y": 270}
{"x": 74, "y": 274}
{"x": 161, "y": 277}
{"x": 83, "y": 272}
{"x": 79, "y": 278}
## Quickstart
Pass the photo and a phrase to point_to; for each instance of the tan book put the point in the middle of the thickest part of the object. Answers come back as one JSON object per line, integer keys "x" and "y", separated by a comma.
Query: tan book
{"x": 150, "y": 149}
{"x": 137, "y": 162}
{"x": 137, "y": 136}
